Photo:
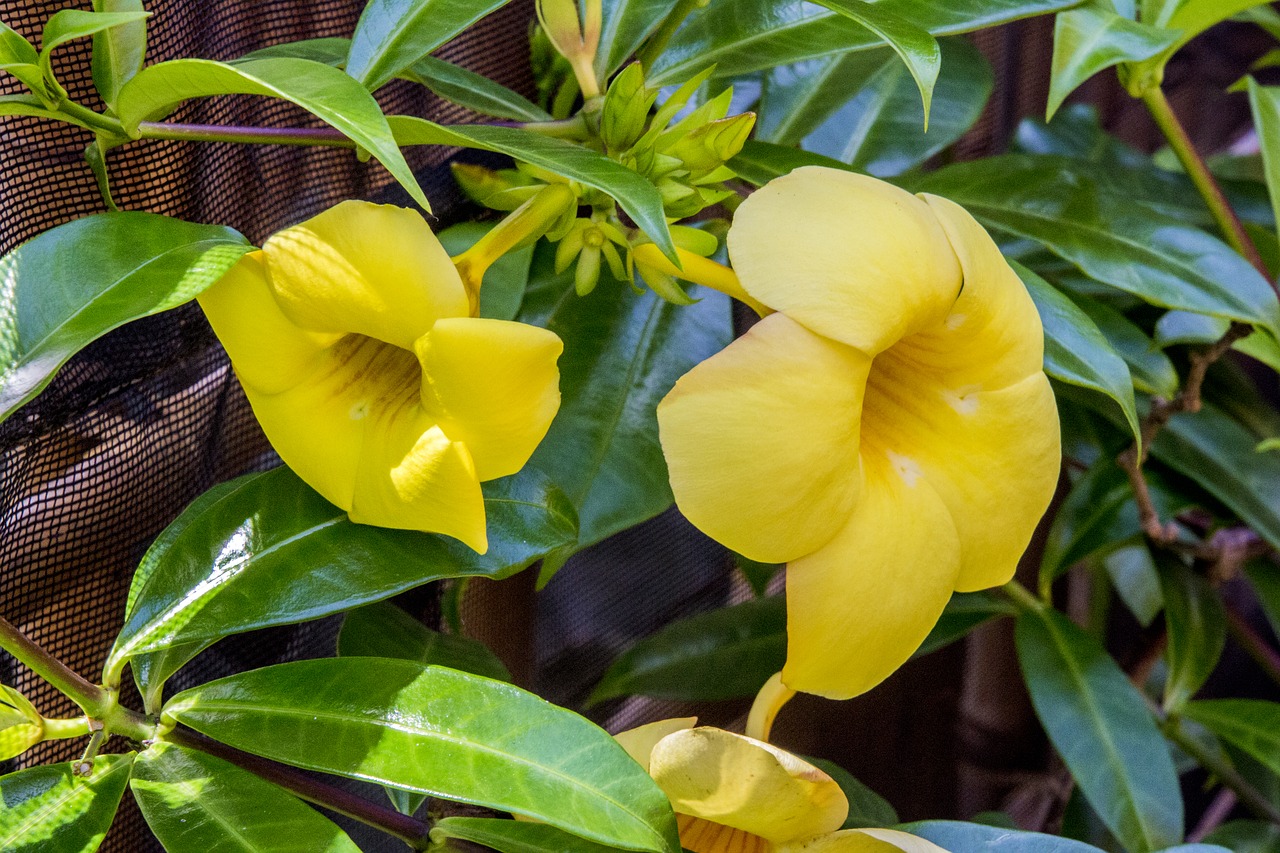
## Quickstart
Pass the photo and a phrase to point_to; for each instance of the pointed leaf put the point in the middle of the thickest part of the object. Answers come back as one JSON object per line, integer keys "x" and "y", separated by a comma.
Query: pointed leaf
{"x": 1197, "y": 630}
{"x": 1264, "y": 101}
{"x": 1247, "y": 836}
{"x": 867, "y": 809}
{"x": 1250, "y": 725}
{"x": 196, "y": 803}
{"x": 76, "y": 282}
{"x": 50, "y": 808}
{"x": 320, "y": 89}
{"x": 955, "y": 835}
{"x": 385, "y": 631}
{"x": 760, "y": 162}
{"x": 1101, "y": 727}
{"x": 1150, "y": 369}
{"x": 70, "y": 24}
{"x": 512, "y": 836}
{"x": 625, "y": 26}
{"x": 441, "y": 732}
{"x": 473, "y": 91}
{"x": 118, "y": 52}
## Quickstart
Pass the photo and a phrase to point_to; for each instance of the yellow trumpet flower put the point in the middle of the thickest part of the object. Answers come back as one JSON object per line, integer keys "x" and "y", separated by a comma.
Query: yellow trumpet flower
{"x": 889, "y": 432}
{"x": 735, "y": 794}
{"x": 352, "y": 336}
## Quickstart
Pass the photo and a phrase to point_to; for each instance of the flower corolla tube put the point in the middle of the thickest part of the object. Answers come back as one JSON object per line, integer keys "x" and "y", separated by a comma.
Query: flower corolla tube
{"x": 352, "y": 337}
{"x": 889, "y": 432}
{"x": 735, "y": 794}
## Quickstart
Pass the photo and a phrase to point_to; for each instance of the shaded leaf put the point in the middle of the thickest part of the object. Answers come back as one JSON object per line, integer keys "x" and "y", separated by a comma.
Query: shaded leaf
{"x": 50, "y": 809}
{"x": 1197, "y": 630}
{"x": 1247, "y": 836}
{"x": 964, "y": 612}
{"x": 761, "y": 162}
{"x": 1133, "y": 573}
{"x": 866, "y": 807}
{"x": 625, "y": 26}
{"x": 473, "y": 91}
{"x": 1250, "y": 725}
{"x": 956, "y": 835}
{"x": 385, "y": 631}
{"x": 512, "y": 836}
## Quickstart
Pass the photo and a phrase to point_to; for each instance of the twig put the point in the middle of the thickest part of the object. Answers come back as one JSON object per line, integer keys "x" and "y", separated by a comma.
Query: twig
{"x": 1249, "y": 640}
{"x": 1217, "y": 812}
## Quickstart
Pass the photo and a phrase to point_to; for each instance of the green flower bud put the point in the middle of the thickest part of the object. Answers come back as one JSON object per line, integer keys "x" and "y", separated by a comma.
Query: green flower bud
{"x": 626, "y": 109}
{"x": 587, "y": 275}
{"x": 504, "y": 189}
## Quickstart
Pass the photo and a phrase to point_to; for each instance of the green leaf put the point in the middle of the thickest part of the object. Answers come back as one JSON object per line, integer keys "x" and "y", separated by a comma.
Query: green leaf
{"x": 757, "y": 574}
{"x": 761, "y": 162}
{"x": 267, "y": 550}
{"x": 76, "y": 282}
{"x": 1197, "y": 630}
{"x": 638, "y": 197}
{"x": 1133, "y": 573}
{"x": 70, "y": 24}
{"x": 1091, "y": 38}
{"x": 473, "y": 91}
{"x": 1266, "y": 585}
{"x": 320, "y": 89}
{"x": 1247, "y": 836}
{"x": 391, "y": 35}
{"x": 623, "y": 353}
{"x": 385, "y": 631}
{"x": 1150, "y": 369}
{"x": 1184, "y": 327}
{"x": 441, "y": 732}
{"x": 1100, "y": 725}
{"x": 964, "y": 612}
{"x": 751, "y": 35}
{"x": 1250, "y": 725}
{"x": 1076, "y": 351}
{"x": 625, "y": 26}
{"x": 505, "y": 281}
{"x": 118, "y": 52}
{"x": 49, "y": 809}
{"x": 918, "y": 49}
{"x": 1190, "y": 18}
{"x": 1264, "y": 101}
{"x": 723, "y": 654}
{"x": 866, "y": 807}
{"x": 512, "y": 836}
{"x": 196, "y": 803}
{"x": 955, "y": 835}
{"x": 19, "y": 58}
{"x": 1138, "y": 250}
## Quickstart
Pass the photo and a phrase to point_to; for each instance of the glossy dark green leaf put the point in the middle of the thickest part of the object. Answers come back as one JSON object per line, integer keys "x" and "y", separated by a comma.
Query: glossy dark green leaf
{"x": 1197, "y": 630}
{"x": 1265, "y": 580}
{"x": 385, "y": 631}
{"x": 1133, "y": 573}
{"x": 1150, "y": 369}
{"x": 1076, "y": 351}
{"x": 320, "y": 89}
{"x": 866, "y": 807}
{"x": 760, "y": 162}
{"x": 397, "y": 723}
{"x": 70, "y": 24}
{"x": 1247, "y": 836}
{"x": 1196, "y": 848}
{"x": 1101, "y": 727}
{"x": 1093, "y": 37}
{"x": 512, "y": 836}
{"x": 1264, "y": 101}
{"x": 751, "y": 35}
{"x": 956, "y": 835}
{"x": 1250, "y": 725}
{"x": 1189, "y": 18}
{"x": 118, "y": 51}
{"x": 1184, "y": 327}
{"x": 964, "y": 612}
{"x": 473, "y": 91}
{"x": 267, "y": 550}
{"x": 195, "y": 803}
{"x": 391, "y": 35}
{"x": 505, "y": 281}
{"x": 74, "y": 283}
{"x": 637, "y": 196}
{"x": 1112, "y": 240}
{"x": 723, "y": 654}
{"x": 49, "y": 809}
{"x": 626, "y": 24}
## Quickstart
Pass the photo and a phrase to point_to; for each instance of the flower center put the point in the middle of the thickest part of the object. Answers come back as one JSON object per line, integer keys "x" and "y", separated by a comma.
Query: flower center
{"x": 699, "y": 835}
{"x": 371, "y": 376}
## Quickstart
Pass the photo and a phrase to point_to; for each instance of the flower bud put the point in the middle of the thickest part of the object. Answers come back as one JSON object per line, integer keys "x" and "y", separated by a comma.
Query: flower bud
{"x": 626, "y": 109}
{"x": 504, "y": 189}
{"x": 587, "y": 275}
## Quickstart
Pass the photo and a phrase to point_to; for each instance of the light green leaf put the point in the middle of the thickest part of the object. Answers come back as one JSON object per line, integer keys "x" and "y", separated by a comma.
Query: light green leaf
{"x": 626, "y": 24}
{"x": 1190, "y": 18}
{"x": 385, "y": 631}
{"x": 956, "y": 835}
{"x": 918, "y": 49}
{"x": 750, "y": 35}
{"x": 637, "y": 196}
{"x": 267, "y": 550}
{"x": 1247, "y": 836}
{"x": 195, "y": 803}
{"x": 1076, "y": 351}
{"x": 1091, "y": 38}
{"x": 397, "y": 723}
{"x": 473, "y": 91}
{"x": 1250, "y": 725}
{"x": 1197, "y": 630}
{"x": 320, "y": 89}
{"x": 70, "y": 24}
{"x": 1264, "y": 101}
{"x": 118, "y": 52}
{"x": 49, "y": 808}
{"x": 1100, "y": 725}
{"x": 19, "y": 58}
{"x": 391, "y": 35}
{"x": 761, "y": 162}
{"x": 76, "y": 282}
{"x": 512, "y": 836}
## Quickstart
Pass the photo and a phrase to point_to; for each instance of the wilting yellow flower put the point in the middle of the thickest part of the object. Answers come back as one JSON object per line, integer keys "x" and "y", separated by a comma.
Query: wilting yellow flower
{"x": 734, "y": 794}
{"x": 352, "y": 336}
{"x": 889, "y": 432}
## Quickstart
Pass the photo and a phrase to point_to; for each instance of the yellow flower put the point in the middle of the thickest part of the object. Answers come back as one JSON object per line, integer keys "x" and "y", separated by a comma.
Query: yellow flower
{"x": 735, "y": 794}
{"x": 889, "y": 432}
{"x": 352, "y": 336}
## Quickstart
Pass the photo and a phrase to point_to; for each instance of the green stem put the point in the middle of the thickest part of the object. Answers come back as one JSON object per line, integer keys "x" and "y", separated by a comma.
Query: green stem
{"x": 92, "y": 699}
{"x": 66, "y": 729}
{"x": 88, "y": 118}
{"x": 324, "y": 136}
{"x": 1198, "y": 171}
{"x": 1022, "y": 597}
{"x": 1225, "y": 773}
{"x": 658, "y": 41}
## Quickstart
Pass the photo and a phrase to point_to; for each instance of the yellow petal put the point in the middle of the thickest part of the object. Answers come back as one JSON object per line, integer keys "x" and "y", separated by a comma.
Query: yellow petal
{"x": 745, "y": 784}
{"x": 368, "y": 268}
{"x": 859, "y": 607}
{"x": 864, "y": 841}
{"x": 493, "y": 385}
{"x": 268, "y": 351}
{"x": 850, "y": 257}
{"x": 639, "y": 742}
{"x": 771, "y": 699}
{"x": 704, "y": 836}
{"x": 762, "y": 440}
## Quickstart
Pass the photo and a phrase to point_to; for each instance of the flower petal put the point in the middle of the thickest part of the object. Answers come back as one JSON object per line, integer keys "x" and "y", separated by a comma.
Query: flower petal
{"x": 762, "y": 440}
{"x": 368, "y": 268}
{"x": 268, "y": 351}
{"x": 639, "y": 742}
{"x": 859, "y": 607}
{"x": 698, "y": 835}
{"x": 493, "y": 385}
{"x": 745, "y": 784}
{"x": 852, "y": 258}
{"x": 864, "y": 841}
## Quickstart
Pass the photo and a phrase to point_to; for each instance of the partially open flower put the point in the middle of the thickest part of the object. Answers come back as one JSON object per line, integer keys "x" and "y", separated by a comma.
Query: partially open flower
{"x": 734, "y": 794}
{"x": 889, "y": 432}
{"x": 352, "y": 336}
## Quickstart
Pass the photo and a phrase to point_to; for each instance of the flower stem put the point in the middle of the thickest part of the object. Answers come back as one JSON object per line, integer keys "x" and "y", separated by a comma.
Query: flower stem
{"x": 323, "y": 136}
{"x": 92, "y": 699}
{"x": 1225, "y": 773}
{"x": 698, "y": 270}
{"x": 1022, "y": 597}
{"x": 60, "y": 729}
